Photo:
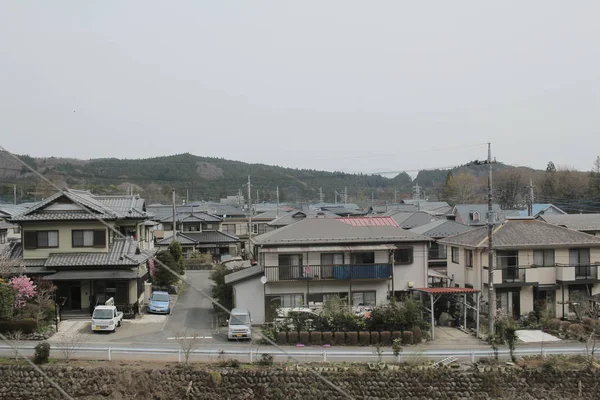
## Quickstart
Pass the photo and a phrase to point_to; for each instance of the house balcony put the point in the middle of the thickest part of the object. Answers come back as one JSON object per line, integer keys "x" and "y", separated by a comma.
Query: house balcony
{"x": 577, "y": 273}
{"x": 437, "y": 254}
{"x": 513, "y": 277}
{"x": 328, "y": 272}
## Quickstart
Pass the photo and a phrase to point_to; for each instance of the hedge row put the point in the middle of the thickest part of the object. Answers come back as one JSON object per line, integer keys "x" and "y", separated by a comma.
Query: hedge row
{"x": 27, "y": 326}
{"x": 350, "y": 338}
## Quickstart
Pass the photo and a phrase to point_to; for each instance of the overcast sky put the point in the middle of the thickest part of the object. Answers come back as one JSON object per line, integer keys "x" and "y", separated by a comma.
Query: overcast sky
{"x": 336, "y": 85}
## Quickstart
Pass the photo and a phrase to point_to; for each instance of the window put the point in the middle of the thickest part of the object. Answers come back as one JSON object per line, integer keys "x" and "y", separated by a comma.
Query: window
{"x": 229, "y": 228}
{"x": 403, "y": 255}
{"x": 543, "y": 258}
{"x": 469, "y": 258}
{"x": 455, "y": 255}
{"x": 362, "y": 258}
{"x": 290, "y": 266}
{"x": 2, "y": 237}
{"x": 40, "y": 239}
{"x": 328, "y": 261}
{"x": 89, "y": 238}
{"x": 579, "y": 256}
{"x": 208, "y": 227}
{"x": 273, "y": 302}
{"x": 363, "y": 298}
{"x": 255, "y": 228}
{"x": 474, "y": 216}
{"x": 323, "y": 297}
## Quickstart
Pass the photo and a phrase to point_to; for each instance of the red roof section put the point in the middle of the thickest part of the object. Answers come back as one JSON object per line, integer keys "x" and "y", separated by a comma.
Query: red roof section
{"x": 369, "y": 221}
{"x": 447, "y": 290}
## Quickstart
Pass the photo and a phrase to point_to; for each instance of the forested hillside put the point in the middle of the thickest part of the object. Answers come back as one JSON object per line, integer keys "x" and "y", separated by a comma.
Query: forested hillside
{"x": 205, "y": 178}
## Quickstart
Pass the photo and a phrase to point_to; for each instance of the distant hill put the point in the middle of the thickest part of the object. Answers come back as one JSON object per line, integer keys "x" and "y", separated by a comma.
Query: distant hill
{"x": 207, "y": 178}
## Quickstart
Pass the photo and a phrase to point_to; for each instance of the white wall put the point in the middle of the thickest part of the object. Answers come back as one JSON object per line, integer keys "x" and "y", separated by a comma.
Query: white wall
{"x": 249, "y": 294}
{"x": 417, "y": 272}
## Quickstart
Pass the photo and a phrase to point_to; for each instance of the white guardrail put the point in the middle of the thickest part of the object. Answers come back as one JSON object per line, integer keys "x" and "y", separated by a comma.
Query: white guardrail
{"x": 106, "y": 352}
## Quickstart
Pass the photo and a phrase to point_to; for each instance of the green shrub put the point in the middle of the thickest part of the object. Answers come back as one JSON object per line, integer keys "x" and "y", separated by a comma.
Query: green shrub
{"x": 554, "y": 324}
{"x": 7, "y": 301}
{"x": 265, "y": 360}
{"x": 292, "y": 337}
{"x": 417, "y": 335}
{"x": 42, "y": 353}
{"x": 316, "y": 338}
{"x": 303, "y": 338}
{"x": 327, "y": 338}
{"x": 281, "y": 338}
{"x": 351, "y": 338}
{"x": 364, "y": 338}
{"x": 375, "y": 338}
{"x": 407, "y": 337}
{"x": 339, "y": 338}
{"x": 385, "y": 338}
{"x": 27, "y": 326}
{"x": 229, "y": 363}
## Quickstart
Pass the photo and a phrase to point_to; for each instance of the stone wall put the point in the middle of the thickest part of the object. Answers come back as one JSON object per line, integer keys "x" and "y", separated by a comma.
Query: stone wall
{"x": 23, "y": 382}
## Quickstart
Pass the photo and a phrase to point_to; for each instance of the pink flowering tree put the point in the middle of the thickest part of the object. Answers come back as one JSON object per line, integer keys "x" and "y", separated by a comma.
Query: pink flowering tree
{"x": 24, "y": 290}
{"x": 151, "y": 268}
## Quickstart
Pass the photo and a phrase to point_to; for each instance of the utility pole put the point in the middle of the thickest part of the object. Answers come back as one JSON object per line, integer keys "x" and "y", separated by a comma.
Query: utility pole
{"x": 278, "y": 201}
{"x": 372, "y": 199}
{"x": 418, "y": 194}
{"x": 395, "y": 195}
{"x": 321, "y": 197}
{"x": 490, "y": 222}
{"x": 531, "y": 199}
{"x": 174, "y": 219}
{"x": 345, "y": 194}
{"x": 187, "y": 196}
{"x": 249, "y": 215}
{"x": 335, "y": 193}
{"x": 15, "y": 194}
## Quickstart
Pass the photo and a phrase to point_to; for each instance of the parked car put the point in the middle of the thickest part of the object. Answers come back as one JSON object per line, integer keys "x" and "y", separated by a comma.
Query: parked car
{"x": 106, "y": 317}
{"x": 159, "y": 303}
{"x": 239, "y": 324}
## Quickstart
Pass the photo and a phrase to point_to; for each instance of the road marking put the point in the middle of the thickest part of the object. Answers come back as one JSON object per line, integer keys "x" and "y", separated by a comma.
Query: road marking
{"x": 189, "y": 337}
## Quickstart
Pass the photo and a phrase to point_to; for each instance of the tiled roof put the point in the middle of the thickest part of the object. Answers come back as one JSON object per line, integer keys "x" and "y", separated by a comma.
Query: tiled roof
{"x": 524, "y": 233}
{"x": 579, "y": 222}
{"x": 122, "y": 252}
{"x": 295, "y": 216}
{"x": 324, "y": 230}
{"x": 441, "y": 228}
{"x": 197, "y": 216}
{"x": 13, "y": 209}
{"x": 369, "y": 221}
{"x": 212, "y": 237}
{"x": 160, "y": 211}
{"x": 180, "y": 237}
{"x": 105, "y": 207}
{"x": 412, "y": 220}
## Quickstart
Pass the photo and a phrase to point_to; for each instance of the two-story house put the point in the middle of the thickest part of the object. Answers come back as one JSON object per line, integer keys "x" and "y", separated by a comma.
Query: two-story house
{"x": 587, "y": 223}
{"x": 535, "y": 264}
{"x": 71, "y": 238}
{"x": 476, "y": 214}
{"x": 364, "y": 261}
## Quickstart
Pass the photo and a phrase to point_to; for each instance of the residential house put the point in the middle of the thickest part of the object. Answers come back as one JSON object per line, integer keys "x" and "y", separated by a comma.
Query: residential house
{"x": 73, "y": 238}
{"x": 476, "y": 214}
{"x": 9, "y": 231}
{"x": 294, "y": 216}
{"x": 362, "y": 260}
{"x": 438, "y": 208}
{"x": 436, "y": 230}
{"x": 587, "y": 223}
{"x": 212, "y": 242}
{"x": 534, "y": 262}
{"x": 538, "y": 210}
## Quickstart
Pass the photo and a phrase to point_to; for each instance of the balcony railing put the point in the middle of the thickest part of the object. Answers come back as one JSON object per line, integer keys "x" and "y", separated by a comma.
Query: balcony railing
{"x": 568, "y": 272}
{"x": 513, "y": 275}
{"x": 328, "y": 272}
{"x": 437, "y": 254}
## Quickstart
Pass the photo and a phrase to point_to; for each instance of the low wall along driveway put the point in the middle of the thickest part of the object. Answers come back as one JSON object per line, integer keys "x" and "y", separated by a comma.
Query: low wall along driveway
{"x": 108, "y": 382}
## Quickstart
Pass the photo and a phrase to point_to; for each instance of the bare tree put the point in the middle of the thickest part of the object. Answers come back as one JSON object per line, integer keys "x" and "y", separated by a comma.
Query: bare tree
{"x": 188, "y": 343}
{"x": 43, "y": 297}
{"x": 68, "y": 345}
{"x": 510, "y": 185}
{"x": 16, "y": 340}
{"x": 586, "y": 309}
{"x": 460, "y": 188}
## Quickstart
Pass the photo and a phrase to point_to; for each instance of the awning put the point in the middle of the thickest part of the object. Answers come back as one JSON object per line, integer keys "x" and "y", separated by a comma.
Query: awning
{"x": 550, "y": 286}
{"x": 92, "y": 275}
{"x": 326, "y": 249}
{"x": 436, "y": 274}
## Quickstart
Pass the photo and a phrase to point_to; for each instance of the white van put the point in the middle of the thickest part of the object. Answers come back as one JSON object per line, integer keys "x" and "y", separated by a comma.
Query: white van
{"x": 239, "y": 324}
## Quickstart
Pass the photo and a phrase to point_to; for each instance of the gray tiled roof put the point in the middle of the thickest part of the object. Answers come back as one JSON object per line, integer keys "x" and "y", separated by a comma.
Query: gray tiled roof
{"x": 101, "y": 206}
{"x": 122, "y": 252}
{"x": 198, "y": 216}
{"x": 462, "y": 211}
{"x": 296, "y": 215}
{"x": 243, "y": 274}
{"x": 441, "y": 228}
{"x": 212, "y": 237}
{"x": 13, "y": 209}
{"x": 412, "y": 220}
{"x": 161, "y": 211}
{"x": 524, "y": 233}
{"x": 325, "y": 230}
{"x": 180, "y": 237}
{"x": 579, "y": 222}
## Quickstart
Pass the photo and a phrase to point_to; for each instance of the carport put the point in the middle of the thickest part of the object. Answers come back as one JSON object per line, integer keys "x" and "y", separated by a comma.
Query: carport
{"x": 437, "y": 293}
